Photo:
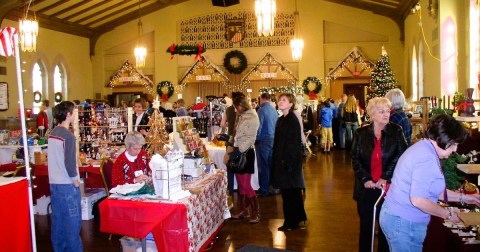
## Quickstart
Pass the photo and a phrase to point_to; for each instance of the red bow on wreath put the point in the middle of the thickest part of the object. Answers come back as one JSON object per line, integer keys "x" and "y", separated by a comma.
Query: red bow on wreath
{"x": 164, "y": 97}
{"x": 199, "y": 52}
{"x": 312, "y": 95}
{"x": 172, "y": 50}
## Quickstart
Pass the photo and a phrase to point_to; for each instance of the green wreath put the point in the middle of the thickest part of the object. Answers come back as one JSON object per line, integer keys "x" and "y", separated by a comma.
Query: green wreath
{"x": 306, "y": 83}
{"x": 170, "y": 89}
{"x": 58, "y": 97}
{"x": 242, "y": 62}
{"x": 37, "y": 96}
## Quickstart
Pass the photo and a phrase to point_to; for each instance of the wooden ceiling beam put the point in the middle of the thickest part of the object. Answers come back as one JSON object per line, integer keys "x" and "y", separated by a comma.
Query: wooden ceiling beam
{"x": 51, "y": 6}
{"x": 54, "y": 24}
{"x": 8, "y": 5}
{"x": 71, "y": 7}
{"x": 76, "y": 14}
{"x": 126, "y": 8}
{"x": 103, "y": 11}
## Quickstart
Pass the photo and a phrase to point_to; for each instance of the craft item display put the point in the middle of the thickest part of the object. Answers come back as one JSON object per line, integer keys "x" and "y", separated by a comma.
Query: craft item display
{"x": 100, "y": 129}
{"x": 167, "y": 174}
{"x": 157, "y": 137}
{"x": 193, "y": 166}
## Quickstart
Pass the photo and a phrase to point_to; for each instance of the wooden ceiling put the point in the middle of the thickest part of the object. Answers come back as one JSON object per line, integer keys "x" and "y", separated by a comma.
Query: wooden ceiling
{"x": 92, "y": 18}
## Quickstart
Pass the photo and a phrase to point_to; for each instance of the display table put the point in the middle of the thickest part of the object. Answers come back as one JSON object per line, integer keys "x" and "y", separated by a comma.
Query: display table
{"x": 187, "y": 225}
{"x": 15, "y": 227}
{"x": 440, "y": 238}
{"x": 216, "y": 154}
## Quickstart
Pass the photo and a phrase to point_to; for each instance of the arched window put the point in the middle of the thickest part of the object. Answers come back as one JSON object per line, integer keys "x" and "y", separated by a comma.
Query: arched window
{"x": 474, "y": 45}
{"x": 60, "y": 81}
{"x": 39, "y": 84}
{"x": 448, "y": 35}
{"x": 414, "y": 75}
{"x": 420, "y": 70}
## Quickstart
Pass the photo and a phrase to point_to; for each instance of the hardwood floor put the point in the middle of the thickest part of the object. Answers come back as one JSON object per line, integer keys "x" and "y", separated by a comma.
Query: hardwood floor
{"x": 332, "y": 218}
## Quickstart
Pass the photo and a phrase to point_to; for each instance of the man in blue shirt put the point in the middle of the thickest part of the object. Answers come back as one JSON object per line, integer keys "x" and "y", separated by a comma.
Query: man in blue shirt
{"x": 267, "y": 116}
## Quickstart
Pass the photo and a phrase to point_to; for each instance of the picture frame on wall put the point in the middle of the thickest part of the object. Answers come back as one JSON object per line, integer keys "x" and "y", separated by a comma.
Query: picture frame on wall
{"x": 418, "y": 108}
{"x": 4, "y": 96}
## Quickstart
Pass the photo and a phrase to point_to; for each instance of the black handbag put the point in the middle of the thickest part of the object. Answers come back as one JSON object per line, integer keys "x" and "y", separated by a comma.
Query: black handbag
{"x": 237, "y": 163}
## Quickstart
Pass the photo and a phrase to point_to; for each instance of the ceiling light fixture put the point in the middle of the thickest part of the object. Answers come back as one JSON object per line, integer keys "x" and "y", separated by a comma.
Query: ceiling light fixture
{"x": 140, "y": 50}
{"x": 296, "y": 44}
{"x": 28, "y": 29}
{"x": 265, "y": 11}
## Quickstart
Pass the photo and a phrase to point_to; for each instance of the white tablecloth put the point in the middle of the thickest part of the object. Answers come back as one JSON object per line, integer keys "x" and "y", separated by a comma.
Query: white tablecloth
{"x": 216, "y": 154}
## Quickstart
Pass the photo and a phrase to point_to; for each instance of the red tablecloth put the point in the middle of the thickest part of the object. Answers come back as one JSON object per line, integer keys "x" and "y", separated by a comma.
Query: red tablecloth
{"x": 182, "y": 226}
{"x": 15, "y": 224}
{"x": 166, "y": 221}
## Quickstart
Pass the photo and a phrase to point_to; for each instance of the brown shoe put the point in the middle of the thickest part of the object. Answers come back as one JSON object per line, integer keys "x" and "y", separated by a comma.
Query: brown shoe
{"x": 244, "y": 213}
{"x": 255, "y": 218}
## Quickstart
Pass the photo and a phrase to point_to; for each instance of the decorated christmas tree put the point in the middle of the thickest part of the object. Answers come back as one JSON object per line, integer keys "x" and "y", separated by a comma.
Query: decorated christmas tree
{"x": 383, "y": 79}
{"x": 157, "y": 136}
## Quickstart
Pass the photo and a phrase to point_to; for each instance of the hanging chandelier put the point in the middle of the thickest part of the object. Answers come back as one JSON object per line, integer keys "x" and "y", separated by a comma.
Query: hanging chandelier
{"x": 296, "y": 44}
{"x": 140, "y": 50}
{"x": 28, "y": 29}
{"x": 265, "y": 11}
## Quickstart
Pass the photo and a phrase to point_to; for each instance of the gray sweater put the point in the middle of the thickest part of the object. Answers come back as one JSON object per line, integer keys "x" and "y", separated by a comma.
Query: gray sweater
{"x": 62, "y": 162}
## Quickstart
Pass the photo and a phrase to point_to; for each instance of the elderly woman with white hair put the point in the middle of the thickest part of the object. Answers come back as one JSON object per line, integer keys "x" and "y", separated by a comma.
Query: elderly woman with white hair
{"x": 131, "y": 166}
{"x": 397, "y": 115}
{"x": 375, "y": 152}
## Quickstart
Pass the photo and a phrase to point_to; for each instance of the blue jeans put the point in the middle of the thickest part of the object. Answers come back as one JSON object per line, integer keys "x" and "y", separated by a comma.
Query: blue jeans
{"x": 402, "y": 235}
{"x": 341, "y": 135}
{"x": 350, "y": 129}
{"x": 264, "y": 151}
{"x": 66, "y": 218}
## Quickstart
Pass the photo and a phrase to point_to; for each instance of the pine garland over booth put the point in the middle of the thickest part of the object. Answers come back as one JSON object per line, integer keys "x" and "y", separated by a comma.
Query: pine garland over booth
{"x": 197, "y": 49}
{"x": 311, "y": 87}
{"x": 165, "y": 90}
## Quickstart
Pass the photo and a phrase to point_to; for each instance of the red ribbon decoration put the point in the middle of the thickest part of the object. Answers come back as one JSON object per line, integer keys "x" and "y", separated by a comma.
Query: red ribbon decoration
{"x": 172, "y": 50}
{"x": 312, "y": 95}
{"x": 199, "y": 52}
{"x": 164, "y": 97}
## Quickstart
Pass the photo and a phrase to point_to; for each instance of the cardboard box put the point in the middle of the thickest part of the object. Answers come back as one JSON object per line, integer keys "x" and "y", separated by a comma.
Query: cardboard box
{"x": 130, "y": 244}
{"x": 91, "y": 196}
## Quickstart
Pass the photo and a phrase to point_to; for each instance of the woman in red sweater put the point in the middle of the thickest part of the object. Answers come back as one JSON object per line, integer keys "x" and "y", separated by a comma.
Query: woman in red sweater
{"x": 131, "y": 166}
{"x": 42, "y": 121}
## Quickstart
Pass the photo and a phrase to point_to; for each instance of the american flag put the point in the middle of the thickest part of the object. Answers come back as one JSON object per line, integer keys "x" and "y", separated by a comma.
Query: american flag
{"x": 237, "y": 37}
{"x": 7, "y": 39}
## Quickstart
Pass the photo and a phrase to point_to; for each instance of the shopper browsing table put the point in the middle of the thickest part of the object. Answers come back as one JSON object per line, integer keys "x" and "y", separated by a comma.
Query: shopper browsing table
{"x": 418, "y": 183}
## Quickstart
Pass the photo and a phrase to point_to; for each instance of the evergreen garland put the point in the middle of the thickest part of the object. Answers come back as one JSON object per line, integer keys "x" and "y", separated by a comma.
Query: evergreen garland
{"x": 453, "y": 176}
{"x": 186, "y": 49}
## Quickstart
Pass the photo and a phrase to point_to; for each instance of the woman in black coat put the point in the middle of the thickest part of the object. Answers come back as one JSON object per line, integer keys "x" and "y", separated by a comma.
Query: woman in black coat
{"x": 287, "y": 173}
{"x": 375, "y": 151}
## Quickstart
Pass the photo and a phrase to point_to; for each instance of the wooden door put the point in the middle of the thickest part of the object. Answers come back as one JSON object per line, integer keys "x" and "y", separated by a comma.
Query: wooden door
{"x": 357, "y": 89}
